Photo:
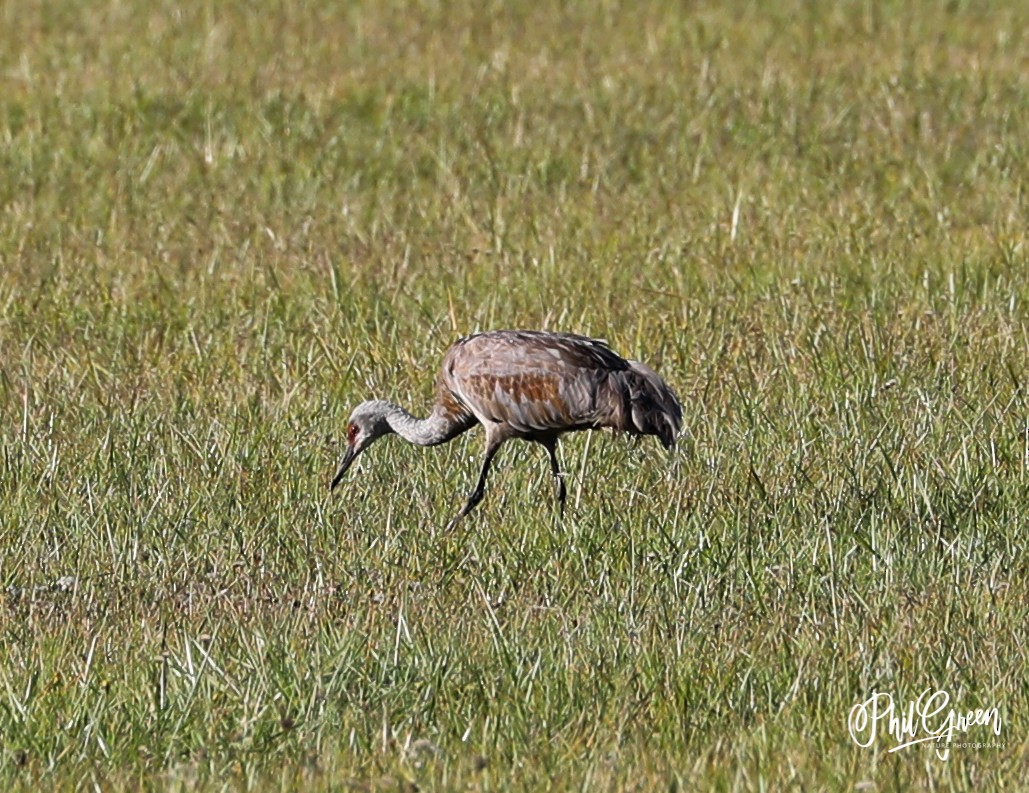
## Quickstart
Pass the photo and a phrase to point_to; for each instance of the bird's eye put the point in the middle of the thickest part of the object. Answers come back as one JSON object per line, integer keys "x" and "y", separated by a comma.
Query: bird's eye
{"x": 351, "y": 432}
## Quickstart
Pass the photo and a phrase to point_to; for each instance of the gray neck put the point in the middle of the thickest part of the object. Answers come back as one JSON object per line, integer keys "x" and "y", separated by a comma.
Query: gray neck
{"x": 424, "y": 432}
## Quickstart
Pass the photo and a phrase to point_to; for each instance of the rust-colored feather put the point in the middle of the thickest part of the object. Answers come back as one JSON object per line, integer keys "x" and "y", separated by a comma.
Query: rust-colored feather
{"x": 539, "y": 384}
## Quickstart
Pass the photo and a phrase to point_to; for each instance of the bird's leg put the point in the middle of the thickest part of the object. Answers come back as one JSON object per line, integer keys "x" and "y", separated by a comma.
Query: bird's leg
{"x": 476, "y": 495}
{"x": 551, "y": 447}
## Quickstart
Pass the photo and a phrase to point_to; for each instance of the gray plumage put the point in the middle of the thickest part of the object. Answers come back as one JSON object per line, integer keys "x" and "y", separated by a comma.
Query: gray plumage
{"x": 526, "y": 384}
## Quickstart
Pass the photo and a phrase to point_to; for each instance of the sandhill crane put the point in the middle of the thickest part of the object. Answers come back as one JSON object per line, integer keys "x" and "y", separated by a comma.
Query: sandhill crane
{"x": 525, "y": 384}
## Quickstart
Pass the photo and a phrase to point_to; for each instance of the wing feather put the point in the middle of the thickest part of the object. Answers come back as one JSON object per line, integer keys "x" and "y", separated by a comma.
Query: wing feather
{"x": 533, "y": 383}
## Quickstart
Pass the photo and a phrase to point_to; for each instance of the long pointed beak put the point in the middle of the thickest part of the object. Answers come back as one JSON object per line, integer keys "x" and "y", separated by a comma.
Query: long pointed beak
{"x": 348, "y": 458}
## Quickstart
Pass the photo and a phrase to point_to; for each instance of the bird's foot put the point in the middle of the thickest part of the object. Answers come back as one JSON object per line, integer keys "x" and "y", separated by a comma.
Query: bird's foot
{"x": 473, "y": 499}
{"x": 562, "y": 494}
{"x": 452, "y": 523}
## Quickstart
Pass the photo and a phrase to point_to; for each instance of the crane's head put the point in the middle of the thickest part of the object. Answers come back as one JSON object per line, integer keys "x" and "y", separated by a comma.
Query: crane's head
{"x": 367, "y": 423}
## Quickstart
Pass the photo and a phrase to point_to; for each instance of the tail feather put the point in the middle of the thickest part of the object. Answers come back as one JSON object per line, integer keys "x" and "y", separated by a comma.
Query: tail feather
{"x": 644, "y": 404}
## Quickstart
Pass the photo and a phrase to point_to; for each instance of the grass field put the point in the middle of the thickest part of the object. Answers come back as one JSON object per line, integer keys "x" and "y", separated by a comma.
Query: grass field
{"x": 222, "y": 225}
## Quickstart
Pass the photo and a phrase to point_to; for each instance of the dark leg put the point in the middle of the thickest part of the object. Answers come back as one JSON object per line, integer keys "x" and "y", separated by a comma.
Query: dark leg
{"x": 476, "y": 495}
{"x": 551, "y": 448}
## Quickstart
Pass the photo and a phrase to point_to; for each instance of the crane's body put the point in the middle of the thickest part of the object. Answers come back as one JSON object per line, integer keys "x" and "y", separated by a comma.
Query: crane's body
{"x": 531, "y": 385}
